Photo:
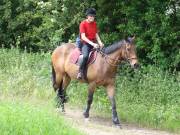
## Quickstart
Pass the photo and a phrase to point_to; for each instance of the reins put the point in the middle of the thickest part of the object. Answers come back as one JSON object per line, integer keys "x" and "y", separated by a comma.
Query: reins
{"x": 116, "y": 60}
{"x": 108, "y": 57}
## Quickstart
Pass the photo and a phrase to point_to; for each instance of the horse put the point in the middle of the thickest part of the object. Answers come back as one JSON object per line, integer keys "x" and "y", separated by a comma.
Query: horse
{"x": 100, "y": 73}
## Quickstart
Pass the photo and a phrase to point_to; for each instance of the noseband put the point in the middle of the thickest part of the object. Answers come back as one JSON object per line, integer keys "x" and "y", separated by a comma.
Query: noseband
{"x": 126, "y": 56}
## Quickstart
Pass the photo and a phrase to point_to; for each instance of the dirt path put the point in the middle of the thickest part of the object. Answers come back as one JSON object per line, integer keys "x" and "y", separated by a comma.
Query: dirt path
{"x": 103, "y": 126}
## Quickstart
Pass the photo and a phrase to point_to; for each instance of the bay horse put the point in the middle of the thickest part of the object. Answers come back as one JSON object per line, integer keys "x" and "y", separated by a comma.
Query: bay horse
{"x": 100, "y": 73}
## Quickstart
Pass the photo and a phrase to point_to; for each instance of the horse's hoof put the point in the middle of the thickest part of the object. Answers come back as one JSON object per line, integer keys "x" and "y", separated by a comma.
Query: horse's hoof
{"x": 60, "y": 111}
{"x": 118, "y": 126}
{"x": 86, "y": 115}
{"x": 116, "y": 121}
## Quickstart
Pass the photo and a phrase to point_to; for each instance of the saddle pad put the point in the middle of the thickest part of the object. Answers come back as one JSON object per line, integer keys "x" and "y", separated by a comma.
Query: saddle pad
{"x": 75, "y": 54}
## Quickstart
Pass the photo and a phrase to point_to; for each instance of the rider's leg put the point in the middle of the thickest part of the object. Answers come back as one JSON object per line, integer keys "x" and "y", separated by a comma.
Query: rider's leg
{"x": 78, "y": 43}
{"x": 86, "y": 48}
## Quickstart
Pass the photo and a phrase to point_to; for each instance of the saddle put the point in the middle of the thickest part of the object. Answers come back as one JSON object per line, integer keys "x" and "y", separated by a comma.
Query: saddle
{"x": 76, "y": 56}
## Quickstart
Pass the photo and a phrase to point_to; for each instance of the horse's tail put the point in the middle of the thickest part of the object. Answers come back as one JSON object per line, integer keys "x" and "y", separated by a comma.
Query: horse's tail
{"x": 53, "y": 77}
{"x": 55, "y": 85}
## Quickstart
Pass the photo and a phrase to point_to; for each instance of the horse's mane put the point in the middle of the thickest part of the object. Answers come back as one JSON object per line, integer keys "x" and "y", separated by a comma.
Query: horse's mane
{"x": 113, "y": 47}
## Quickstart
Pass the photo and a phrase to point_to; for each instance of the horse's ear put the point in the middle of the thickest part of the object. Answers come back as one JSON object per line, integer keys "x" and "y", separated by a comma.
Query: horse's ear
{"x": 131, "y": 39}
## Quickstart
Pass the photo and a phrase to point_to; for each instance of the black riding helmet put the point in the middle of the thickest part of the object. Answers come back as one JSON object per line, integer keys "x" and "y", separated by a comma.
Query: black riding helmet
{"x": 91, "y": 12}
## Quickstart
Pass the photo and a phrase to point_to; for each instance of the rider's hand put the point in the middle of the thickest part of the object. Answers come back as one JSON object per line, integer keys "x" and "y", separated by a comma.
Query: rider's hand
{"x": 101, "y": 45}
{"x": 96, "y": 45}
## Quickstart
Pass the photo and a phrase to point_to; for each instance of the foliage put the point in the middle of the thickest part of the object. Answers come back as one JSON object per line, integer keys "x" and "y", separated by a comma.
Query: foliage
{"x": 39, "y": 25}
{"x": 20, "y": 72}
{"x": 155, "y": 24}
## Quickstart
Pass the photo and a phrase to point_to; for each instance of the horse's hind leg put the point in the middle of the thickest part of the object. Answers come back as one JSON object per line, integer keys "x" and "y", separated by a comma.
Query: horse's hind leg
{"x": 91, "y": 90}
{"x": 66, "y": 81}
{"x": 58, "y": 87}
{"x": 61, "y": 95}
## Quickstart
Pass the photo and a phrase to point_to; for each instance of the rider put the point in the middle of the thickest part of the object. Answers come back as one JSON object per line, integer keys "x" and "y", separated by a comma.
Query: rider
{"x": 89, "y": 37}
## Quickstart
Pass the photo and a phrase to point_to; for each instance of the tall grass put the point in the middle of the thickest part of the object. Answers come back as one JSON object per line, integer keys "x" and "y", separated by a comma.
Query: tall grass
{"x": 149, "y": 96}
{"x": 25, "y": 73}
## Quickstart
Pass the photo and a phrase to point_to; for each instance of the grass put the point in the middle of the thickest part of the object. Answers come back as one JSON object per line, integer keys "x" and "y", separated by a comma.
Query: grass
{"x": 152, "y": 98}
{"x": 19, "y": 118}
{"x": 21, "y": 71}
{"x": 148, "y": 97}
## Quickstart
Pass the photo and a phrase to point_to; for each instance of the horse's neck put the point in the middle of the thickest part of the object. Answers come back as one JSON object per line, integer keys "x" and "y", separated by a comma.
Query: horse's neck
{"x": 114, "y": 57}
{"x": 111, "y": 62}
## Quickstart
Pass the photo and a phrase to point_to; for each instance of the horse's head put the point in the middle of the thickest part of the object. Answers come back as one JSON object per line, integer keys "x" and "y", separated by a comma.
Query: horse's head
{"x": 129, "y": 52}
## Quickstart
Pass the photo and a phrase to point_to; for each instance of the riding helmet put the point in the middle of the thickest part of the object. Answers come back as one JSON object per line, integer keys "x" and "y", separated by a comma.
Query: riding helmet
{"x": 91, "y": 12}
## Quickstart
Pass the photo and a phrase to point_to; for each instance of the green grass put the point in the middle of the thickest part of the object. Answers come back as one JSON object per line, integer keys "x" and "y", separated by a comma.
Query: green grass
{"x": 18, "y": 118}
{"x": 148, "y": 97}
{"x": 151, "y": 97}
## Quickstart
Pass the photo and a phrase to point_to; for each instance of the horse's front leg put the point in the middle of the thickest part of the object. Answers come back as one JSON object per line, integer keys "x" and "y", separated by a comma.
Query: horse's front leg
{"x": 91, "y": 89}
{"x": 111, "y": 93}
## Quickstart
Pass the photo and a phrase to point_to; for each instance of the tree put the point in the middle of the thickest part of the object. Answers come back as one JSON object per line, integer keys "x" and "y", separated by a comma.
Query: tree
{"x": 38, "y": 25}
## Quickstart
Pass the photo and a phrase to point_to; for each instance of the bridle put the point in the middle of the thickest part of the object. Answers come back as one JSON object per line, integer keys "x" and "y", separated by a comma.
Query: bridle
{"x": 126, "y": 56}
{"x": 115, "y": 60}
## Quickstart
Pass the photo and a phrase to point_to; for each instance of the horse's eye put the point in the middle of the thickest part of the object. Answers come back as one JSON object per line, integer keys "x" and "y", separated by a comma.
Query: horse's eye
{"x": 128, "y": 49}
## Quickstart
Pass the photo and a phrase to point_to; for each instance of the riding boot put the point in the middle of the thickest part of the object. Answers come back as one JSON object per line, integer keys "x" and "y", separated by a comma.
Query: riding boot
{"x": 81, "y": 71}
{"x": 85, "y": 52}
